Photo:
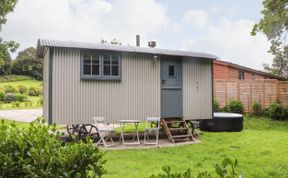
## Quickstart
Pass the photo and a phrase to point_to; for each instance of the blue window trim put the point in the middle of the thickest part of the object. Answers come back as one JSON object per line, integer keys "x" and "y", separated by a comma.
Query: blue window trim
{"x": 100, "y": 76}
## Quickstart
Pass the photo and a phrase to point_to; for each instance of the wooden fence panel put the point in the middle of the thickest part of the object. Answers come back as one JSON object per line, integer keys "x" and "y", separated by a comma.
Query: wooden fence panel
{"x": 248, "y": 91}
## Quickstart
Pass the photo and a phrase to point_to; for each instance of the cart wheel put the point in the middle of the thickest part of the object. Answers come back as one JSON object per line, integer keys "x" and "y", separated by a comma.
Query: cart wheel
{"x": 72, "y": 128}
{"x": 88, "y": 130}
{"x": 191, "y": 126}
{"x": 92, "y": 132}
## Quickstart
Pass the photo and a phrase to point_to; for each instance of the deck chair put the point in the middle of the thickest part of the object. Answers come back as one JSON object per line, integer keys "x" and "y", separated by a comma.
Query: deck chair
{"x": 150, "y": 129}
{"x": 105, "y": 132}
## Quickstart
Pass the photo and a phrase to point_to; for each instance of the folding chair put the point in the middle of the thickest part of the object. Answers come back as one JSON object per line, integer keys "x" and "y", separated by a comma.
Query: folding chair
{"x": 149, "y": 129}
{"x": 105, "y": 132}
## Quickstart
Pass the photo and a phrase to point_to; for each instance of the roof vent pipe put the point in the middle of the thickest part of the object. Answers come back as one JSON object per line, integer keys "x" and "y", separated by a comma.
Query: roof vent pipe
{"x": 151, "y": 44}
{"x": 137, "y": 40}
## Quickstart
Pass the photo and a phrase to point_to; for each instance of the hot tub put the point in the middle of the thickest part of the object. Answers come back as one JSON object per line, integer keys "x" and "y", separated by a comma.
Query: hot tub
{"x": 223, "y": 122}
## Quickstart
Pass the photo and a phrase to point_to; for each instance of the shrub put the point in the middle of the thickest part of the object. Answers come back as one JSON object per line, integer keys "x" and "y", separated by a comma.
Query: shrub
{"x": 257, "y": 108}
{"x": 9, "y": 97}
{"x": 216, "y": 106}
{"x": 17, "y": 104}
{"x": 9, "y": 89}
{"x": 22, "y": 89}
{"x": 234, "y": 106}
{"x": 2, "y": 95}
{"x": 278, "y": 111}
{"x": 20, "y": 98}
{"x": 34, "y": 91}
{"x": 1, "y": 104}
{"x": 14, "y": 78}
{"x": 38, "y": 152}
{"x": 224, "y": 170}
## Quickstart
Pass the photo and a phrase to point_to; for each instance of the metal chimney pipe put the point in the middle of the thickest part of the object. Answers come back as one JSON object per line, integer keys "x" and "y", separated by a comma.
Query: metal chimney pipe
{"x": 137, "y": 40}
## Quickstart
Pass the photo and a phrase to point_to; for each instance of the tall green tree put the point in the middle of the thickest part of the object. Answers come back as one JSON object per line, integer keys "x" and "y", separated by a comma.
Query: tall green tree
{"x": 274, "y": 24}
{"x": 27, "y": 63}
{"x": 6, "y": 6}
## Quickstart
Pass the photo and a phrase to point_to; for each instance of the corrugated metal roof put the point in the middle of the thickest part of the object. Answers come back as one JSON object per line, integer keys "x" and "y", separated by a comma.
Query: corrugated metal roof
{"x": 43, "y": 43}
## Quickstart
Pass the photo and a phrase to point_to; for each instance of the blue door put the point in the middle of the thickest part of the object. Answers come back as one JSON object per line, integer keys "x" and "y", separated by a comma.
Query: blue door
{"x": 171, "y": 87}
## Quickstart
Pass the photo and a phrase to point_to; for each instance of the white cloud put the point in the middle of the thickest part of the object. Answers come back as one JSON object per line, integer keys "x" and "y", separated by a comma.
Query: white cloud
{"x": 196, "y": 17}
{"x": 231, "y": 41}
{"x": 83, "y": 20}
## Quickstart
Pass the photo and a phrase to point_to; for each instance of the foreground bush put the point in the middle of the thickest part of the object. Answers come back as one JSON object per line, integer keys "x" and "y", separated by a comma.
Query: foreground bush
{"x": 37, "y": 152}
{"x": 234, "y": 106}
{"x": 224, "y": 170}
{"x": 9, "y": 89}
{"x": 21, "y": 98}
{"x": 278, "y": 111}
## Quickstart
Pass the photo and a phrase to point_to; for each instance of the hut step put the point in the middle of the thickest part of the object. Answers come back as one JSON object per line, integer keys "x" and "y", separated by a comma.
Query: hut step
{"x": 172, "y": 132}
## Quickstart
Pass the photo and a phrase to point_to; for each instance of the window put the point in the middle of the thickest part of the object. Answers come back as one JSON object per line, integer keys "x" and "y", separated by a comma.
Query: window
{"x": 241, "y": 75}
{"x": 100, "y": 66}
{"x": 171, "y": 71}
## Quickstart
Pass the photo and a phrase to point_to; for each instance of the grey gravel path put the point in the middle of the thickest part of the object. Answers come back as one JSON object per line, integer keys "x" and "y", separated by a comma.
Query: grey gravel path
{"x": 22, "y": 115}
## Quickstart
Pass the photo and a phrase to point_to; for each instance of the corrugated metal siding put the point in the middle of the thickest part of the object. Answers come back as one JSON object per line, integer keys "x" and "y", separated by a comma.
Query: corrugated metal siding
{"x": 197, "y": 89}
{"x": 45, "y": 85}
{"x": 136, "y": 96}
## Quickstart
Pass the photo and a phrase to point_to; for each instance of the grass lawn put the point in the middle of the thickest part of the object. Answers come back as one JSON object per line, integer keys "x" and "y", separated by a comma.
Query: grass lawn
{"x": 17, "y": 123}
{"x": 28, "y": 84}
{"x": 261, "y": 149}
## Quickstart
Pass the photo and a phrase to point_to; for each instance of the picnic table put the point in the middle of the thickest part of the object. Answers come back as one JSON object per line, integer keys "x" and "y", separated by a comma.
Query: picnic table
{"x": 136, "y": 134}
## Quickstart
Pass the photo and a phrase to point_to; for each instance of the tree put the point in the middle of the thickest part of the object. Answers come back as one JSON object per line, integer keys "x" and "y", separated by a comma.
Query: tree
{"x": 274, "y": 25}
{"x": 27, "y": 63}
{"x": 6, "y": 6}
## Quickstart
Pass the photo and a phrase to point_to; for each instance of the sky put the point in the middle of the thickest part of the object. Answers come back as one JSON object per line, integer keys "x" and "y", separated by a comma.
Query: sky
{"x": 218, "y": 27}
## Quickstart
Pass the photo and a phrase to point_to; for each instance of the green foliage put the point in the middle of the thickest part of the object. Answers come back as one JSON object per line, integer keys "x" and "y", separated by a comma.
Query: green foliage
{"x": 9, "y": 89}
{"x": 34, "y": 91}
{"x": 2, "y": 95}
{"x": 274, "y": 25}
{"x": 17, "y": 104}
{"x": 257, "y": 108}
{"x": 216, "y": 105}
{"x": 234, "y": 106}
{"x": 20, "y": 98}
{"x": 13, "y": 78}
{"x": 9, "y": 97}
{"x": 278, "y": 111}
{"x": 6, "y": 6}
{"x": 221, "y": 170}
{"x": 22, "y": 89}
{"x": 27, "y": 63}
{"x": 38, "y": 152}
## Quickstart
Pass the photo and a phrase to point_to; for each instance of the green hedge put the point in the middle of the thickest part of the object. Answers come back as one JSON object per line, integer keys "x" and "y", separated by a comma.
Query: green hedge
{"x": 14, "y": 78}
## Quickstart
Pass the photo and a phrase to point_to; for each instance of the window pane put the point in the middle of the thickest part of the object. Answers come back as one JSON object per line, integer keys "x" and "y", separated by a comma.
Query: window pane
{"x": 95, "y": 61}
{"x": 115, "y": 70}
{"x": 95, "y": 69}
{"x": 106, "y": 58}
{"x": 95, "y": 57}
{"x": 87, "y": 61}
{"x": 171, "y": 71}
{"x": 107, "y": 70}
{"x": 87, "y": 70}
{"x": 86, "y": 56}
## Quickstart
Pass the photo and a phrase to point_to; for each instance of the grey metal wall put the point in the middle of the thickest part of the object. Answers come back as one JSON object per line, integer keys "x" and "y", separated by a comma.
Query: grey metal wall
{"x": 136, "y": 96}
{"x": 197, "y": 89}
{"x": 45, "y": 84}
